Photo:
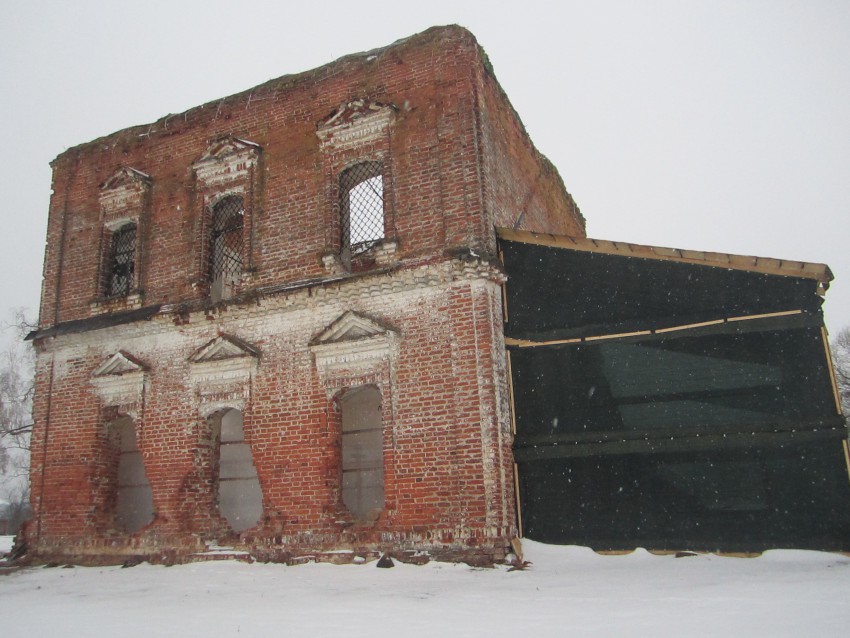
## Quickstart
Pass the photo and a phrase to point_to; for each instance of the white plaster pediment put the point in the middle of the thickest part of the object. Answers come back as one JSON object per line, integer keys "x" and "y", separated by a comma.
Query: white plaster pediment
{"x": 124, "y": 177}
{"x": 353, "y": 343}
{"x": 350, "y": 327}
{"x": 124, "y": 191}
{"x": 356, "y": 121}
{"x": 223, "y": 347}
{"x": 118, "y": 364}
{"x": 225, "y": 359}
{"x": 119, "y": 380}
{"x": 226, "y": 158}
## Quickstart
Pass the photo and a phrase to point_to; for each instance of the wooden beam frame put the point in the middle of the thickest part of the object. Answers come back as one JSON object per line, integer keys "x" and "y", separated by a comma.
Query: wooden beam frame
{"x": 716, "y": 441}
{"x": 677, "y": 431}
{"x": 690, "y": 327}
{"x": 766, "y": 265}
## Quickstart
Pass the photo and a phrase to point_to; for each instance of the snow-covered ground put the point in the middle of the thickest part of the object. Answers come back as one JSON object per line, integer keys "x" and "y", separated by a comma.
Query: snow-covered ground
{"x": 567, "y": 591}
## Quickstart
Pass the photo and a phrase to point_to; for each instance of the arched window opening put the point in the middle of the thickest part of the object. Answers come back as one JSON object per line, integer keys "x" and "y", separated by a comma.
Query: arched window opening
{"x": 240, "y": 499}
{"x": 362, "y": 207}
{"x": 121, "y": 265}
{"x": 226, "y": 247}
{"x": 362, "y": 453}
{"x": 134, "y": 502}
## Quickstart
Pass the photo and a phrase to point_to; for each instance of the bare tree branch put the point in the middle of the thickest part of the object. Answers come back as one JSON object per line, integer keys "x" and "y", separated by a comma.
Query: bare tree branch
{"x": 840, "y": 347}
{"x": 16, "y": 390}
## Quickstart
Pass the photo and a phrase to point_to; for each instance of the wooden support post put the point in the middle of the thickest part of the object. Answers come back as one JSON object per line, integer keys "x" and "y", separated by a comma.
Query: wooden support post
{"x": 504, "y": 290}
{"x": 511, "y": 391}
{"x": 513, "y": 431}
{"x": 518, "y": 504}
{"x": 846, "y": 445}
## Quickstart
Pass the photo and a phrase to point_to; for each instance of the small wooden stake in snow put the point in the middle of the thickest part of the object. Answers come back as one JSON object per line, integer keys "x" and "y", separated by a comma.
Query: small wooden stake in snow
{"x": 516, "y": 545}
{"x": 386, "y": 561}
{"x": 518, "y": 562}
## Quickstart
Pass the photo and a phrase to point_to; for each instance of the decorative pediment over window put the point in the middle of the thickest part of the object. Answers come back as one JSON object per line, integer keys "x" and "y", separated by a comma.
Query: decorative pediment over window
{"x": 122, "y": 194}
{"x": 350, "y": 327}
{"x": 220, "y": 371}
{"x": 120, "y": 380}
{"x": 356, "y": 122}
{"x": 226, "y": 158}
{"x": 222, "y": 348}
{"x": 119, "y": 364}
{"x": 353, "y": 344}
{"x": 126, "y": 177}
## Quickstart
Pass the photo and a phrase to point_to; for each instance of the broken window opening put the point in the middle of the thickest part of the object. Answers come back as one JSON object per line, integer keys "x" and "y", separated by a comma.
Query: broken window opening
{"x": 361, "y": 207}
{"x": 362, "y": 453}
{"x": 134, "y": 502}
{"x": 226, "y": 247}
{"x": 121, "y": 267}
{"x": 240, "y": 498}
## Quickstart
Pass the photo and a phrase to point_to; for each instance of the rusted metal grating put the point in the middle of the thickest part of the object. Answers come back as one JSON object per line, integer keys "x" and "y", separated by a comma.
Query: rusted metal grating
{"x": 122, "y": 260}
{"x": 362, "y": 206}
{"x": 226, "y": 257}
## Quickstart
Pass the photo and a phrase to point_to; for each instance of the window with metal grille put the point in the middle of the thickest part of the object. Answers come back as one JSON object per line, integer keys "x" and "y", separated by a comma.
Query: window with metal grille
{"x": 226, "y": 244}
{"x": 362, "y": 206}
{"x": 122, "y": 262}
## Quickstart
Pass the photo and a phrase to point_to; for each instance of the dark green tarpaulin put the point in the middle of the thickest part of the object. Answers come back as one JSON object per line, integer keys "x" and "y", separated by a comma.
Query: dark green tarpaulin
{"x": 712, "y": 424}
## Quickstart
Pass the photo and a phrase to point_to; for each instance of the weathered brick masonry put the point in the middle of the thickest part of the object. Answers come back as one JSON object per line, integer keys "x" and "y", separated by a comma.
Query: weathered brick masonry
{"x": 154, "y": 333}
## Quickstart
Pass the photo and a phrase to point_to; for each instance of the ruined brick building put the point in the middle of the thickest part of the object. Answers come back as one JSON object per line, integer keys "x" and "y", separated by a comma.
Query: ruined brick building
{"x": 355, "y": 309}
{"x": 274, "y": 321}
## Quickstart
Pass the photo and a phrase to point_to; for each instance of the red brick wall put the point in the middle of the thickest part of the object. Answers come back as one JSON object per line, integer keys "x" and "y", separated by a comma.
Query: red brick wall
{"x": 523, "y": 189}
{"x": 456, "y": 162}
{"x": 435, "y": 195}
{"x": 445, "y": 446}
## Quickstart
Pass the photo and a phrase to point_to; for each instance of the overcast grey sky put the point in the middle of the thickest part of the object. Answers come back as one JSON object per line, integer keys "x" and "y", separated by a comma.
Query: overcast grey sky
{"x": 712, "y": 125}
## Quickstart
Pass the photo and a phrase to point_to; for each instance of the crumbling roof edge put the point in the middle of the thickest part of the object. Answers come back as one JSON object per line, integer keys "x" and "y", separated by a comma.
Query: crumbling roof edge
{"x": 94, "y": 323}
{"x": 287, "y": 79}
{"x": 546, "y": 163}
{"x": 765, "y": 265}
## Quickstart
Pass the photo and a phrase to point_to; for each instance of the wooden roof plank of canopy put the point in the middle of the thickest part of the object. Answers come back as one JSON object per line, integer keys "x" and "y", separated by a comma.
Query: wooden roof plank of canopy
{"x": 765, "y": 265}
